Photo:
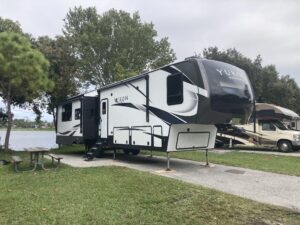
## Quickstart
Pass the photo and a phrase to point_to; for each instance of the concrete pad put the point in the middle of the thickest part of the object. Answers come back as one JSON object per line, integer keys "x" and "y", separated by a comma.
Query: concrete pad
{"x": 265, "y": 187}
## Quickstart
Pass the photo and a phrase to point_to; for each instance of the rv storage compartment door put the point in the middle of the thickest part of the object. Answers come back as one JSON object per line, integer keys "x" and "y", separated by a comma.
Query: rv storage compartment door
{"x": 141, "y": 135}
{"x": 192, "y": 140}
{"x": 121, "y": 135}
{"x": 191, "y": 136}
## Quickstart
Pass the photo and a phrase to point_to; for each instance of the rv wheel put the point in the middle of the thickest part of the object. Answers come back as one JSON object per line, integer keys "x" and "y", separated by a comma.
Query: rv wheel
{"x": 284, "y": 146}
{"x": 135, "y": 151}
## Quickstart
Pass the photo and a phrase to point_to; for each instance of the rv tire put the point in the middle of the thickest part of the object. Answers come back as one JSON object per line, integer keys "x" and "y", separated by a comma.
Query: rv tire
{"x": 284, "y": 146}
{"x": 135, "y": 151}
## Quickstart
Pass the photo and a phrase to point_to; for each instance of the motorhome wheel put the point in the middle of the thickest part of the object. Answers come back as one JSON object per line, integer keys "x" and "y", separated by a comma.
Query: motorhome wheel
{"x": 284, "y": 146}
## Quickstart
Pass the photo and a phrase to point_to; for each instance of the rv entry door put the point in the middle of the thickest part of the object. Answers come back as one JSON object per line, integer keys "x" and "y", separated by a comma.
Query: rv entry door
{"x": 103, "y": 116}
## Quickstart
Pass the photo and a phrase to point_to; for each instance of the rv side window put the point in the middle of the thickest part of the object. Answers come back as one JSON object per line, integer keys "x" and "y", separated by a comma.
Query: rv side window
{"x": 174, "y": 89}
{"x": 67, "y": 112}
{"x": 268, "y": 126}
{"x": 103, "y": 108}
{"x": 77, "y": 113}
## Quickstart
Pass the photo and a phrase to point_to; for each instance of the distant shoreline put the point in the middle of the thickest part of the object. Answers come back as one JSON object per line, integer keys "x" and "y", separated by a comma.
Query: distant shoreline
{"x": 29, "y": 129}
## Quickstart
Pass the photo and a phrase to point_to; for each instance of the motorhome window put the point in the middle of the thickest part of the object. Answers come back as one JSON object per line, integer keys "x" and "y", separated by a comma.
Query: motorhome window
{"x": 268, "y": 126}
{"x": 77, "y": 113}
{"x": 103, "y": 108}
{"x": 279, "y": 125}
{"x": 174, "y": 89}
{"x": 67, "y": 112}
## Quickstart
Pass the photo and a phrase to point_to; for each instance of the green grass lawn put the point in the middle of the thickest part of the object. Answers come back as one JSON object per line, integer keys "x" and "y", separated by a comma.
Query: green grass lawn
{"x": 270, "y": 163}
{"x": 112, "y": 195}
{"x": 69, "y": 149}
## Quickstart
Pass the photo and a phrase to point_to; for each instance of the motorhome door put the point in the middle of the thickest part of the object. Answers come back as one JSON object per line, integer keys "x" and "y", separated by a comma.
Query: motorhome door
{"x": 103, "y": 116}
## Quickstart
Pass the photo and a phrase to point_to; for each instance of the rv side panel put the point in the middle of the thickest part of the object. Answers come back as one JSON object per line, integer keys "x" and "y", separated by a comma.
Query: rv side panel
{"x": 68, "y": 122}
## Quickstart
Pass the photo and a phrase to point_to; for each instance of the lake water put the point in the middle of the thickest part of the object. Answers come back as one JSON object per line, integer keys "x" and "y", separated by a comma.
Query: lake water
{"x": 29, "y": 139}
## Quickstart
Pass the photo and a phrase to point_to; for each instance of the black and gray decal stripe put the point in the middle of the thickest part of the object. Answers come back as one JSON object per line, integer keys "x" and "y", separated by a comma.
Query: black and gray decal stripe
{"x": 126, "y": 104}
{"x": 72, "y": 133}
{"x": 163, "y": 115}
{"x": 187, "y": 80}
{"x": 64, "y": 133}
{"x": 173, "y": 71}
{"x": 123, "y": 128}
{"x": 155, "y": 135}
{"x": 137, "y": 89}
{"x": 170, "y": 70}
{"x": 127, "y": 128}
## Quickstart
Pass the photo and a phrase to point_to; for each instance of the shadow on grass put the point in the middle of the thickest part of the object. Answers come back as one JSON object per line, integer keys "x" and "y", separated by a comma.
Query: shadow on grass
{"x": 69, "y": 149}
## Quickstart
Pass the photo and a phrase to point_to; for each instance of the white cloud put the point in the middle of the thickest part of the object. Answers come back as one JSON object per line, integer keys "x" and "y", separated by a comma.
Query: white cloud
{"x": 269, "y": 28}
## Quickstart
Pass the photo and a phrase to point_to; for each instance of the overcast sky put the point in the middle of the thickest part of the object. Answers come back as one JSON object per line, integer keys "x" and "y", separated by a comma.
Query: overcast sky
{"x": 268, "y": 28}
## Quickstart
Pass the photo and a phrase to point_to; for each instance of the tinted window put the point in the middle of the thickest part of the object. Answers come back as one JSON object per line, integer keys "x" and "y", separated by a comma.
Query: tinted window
{"x": 191, "y": 70}
{"x": 226, "y": 78}
{"x": 103, "y": 108}
{"x": 280, "y": 125}
{"x": 77, "y": 114}
{"x": 268, "y": 126}
{"x": 174, "y": 89}
{"x": 67, "y": 112}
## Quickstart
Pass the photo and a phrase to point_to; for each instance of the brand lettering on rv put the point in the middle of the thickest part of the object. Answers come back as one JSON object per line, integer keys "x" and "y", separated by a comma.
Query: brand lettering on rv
{"x": 230, "y": 74}
{"x": 121, "y": 99}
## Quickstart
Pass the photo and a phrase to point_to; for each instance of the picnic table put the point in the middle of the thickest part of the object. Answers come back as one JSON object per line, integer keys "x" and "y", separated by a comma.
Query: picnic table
{"x": 37, "y": 157}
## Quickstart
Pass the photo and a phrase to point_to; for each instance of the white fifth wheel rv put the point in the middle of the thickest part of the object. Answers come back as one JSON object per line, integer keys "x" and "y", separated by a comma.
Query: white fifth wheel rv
{"x": 173, "y": 108}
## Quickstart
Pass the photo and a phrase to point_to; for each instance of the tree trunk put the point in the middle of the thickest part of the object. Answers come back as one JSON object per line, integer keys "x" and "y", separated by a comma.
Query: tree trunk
{"x": 54, "y": 118}
{"x": 9, "y": 123}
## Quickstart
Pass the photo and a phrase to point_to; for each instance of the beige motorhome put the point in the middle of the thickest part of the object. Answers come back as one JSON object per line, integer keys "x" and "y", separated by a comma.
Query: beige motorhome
{"x": 271, "y": 132}
{"x": 267, "y": 129}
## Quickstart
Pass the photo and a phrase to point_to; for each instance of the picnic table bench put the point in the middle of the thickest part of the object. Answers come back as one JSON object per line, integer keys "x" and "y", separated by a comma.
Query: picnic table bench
{"x": 16, "y": 160}
{"x": 55, "y": 157}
